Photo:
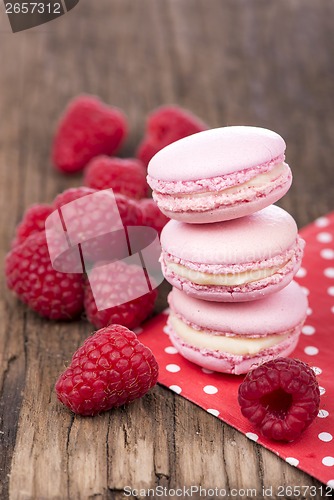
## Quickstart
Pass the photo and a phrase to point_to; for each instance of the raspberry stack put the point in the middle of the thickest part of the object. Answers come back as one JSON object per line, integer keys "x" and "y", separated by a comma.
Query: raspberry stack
{"x": 228, "y": 252}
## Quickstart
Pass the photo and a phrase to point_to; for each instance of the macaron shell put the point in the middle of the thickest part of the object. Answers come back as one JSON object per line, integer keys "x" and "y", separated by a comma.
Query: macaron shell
{"x": 272, "y": 315}
{"x": 259, "y": 236}
{"x": 229, "y": 212}
{"x": 216, "y": 152}
{"x": 232, "y": 364}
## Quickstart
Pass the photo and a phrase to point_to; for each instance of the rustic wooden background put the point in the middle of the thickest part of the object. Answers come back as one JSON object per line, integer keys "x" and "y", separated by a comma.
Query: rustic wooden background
{"x": 253, "y": 62}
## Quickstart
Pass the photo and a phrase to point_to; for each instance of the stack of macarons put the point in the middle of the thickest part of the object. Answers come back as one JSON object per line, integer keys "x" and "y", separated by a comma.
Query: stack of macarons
{"x": 228, "y": 252}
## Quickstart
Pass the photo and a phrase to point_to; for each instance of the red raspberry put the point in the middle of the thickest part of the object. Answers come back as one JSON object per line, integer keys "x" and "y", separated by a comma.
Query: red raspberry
{"x": 94, "y": 223}
{"x": 30, "y": 275}
{"x": 72, "y": 194}
{"x": 126, "y": 176}
{"x": 281, "y": 397}
{"x": 33, "y": 221}
{"x": 128, "y": 209}
{"x": 110, "y": 369}
{"x": 87, "y": 128}
{"x": 148, "y": 148}
{"x": 118, "y": 280}
{"x": 165, "y": 125}
{"x": 151, "y": 215}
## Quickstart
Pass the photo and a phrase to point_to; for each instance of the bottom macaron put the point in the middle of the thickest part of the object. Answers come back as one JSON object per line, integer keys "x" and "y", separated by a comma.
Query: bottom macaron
{"x": 236, "y": 337}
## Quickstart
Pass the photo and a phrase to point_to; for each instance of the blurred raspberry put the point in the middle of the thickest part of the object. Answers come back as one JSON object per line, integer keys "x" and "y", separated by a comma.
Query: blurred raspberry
{"x": 87, "y": 128}
{"x": 72, "y": 194}
{"x": 114, "y": 283}
{"x": 29, "y": 273}
{"x": 96, "y": 223}
{"x": 110, "y": 369}
{"x": 128, "y": 209}
{"x": 165, "y": 125}
{"x": 126, "y": 176}
{"x": 33, "y": 221}
{"x": 151, "y": 215}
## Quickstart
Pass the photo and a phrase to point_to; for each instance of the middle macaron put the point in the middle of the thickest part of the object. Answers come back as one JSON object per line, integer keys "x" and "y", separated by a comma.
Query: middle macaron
{"x": 233, "y": 261}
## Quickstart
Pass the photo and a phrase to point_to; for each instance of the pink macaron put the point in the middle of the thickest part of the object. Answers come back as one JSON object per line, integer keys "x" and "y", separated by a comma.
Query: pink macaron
{"x": 219, "y": 174}
{"x": 236, "y": 260}
{"x": 236, "y": 337}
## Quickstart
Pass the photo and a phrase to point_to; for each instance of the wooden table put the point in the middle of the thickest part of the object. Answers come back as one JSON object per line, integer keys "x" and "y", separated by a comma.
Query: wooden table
{"x": 253, "y": 62}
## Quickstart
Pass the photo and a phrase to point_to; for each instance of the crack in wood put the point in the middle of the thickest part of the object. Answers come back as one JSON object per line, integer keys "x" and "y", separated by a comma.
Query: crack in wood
{"x": 68, "y": 437}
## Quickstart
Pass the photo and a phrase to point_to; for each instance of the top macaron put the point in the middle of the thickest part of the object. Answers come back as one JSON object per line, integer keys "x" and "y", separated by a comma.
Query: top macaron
{"x": 219, "y": 174}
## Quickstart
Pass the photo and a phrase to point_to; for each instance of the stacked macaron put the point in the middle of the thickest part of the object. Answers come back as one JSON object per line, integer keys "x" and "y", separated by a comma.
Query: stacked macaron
{"x": 230, "y": 255}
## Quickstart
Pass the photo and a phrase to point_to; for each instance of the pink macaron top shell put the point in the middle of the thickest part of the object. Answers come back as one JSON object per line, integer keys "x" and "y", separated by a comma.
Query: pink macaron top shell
{"x": 216, "y": 152}
{"x": 275, "y": 314}
{"x": 259, "y": 236}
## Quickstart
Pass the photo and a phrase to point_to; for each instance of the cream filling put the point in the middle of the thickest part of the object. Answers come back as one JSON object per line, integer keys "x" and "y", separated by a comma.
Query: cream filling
{"x": 257, "y": 181}
{"x": 233, "y": 345}
{"x": 227, "y": 279}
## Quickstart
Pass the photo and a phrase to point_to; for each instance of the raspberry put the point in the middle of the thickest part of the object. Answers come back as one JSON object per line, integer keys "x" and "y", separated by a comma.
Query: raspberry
{"x": 72, "y": 194}
{"x": 126, "y": 176}
{"x": 110, "y": 369}
{"x": 165, "y": 125}
{"x": 87, "y": 128}
{"x": 148, "y": 148}
{"x": 280, "y": 397}
{"x": 92, "y": 223}
{"x": 128, "y": 209}
{"x": 30, "y": 275}
{"x": 118, "y": 280}
{"x": 33, "y": 221}
{"x": 151, "y": 215}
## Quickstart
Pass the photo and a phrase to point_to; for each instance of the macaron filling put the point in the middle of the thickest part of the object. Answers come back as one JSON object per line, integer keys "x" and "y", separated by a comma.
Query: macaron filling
{"x": 215, "y": 192}
{"x": 233, "y": 275}
{"x": 228, "y": 343}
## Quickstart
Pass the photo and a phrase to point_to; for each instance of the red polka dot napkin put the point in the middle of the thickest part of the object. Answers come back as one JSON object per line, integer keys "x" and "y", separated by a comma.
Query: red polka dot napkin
{"x": 217, "y": 393}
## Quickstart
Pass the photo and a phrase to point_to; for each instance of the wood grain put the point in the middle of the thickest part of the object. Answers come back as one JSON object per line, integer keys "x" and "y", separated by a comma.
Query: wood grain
{"x": 232, "y": 62}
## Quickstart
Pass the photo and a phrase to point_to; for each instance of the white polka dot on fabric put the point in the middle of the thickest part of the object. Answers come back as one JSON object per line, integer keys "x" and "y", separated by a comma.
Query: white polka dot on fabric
{"x": 323, "y": 413}
{"x": 171, "y": 350}
{"x": 329, "y": 272}
{"x": 305, "y": 290}
{"x": 173, "y": 368}
{"x": 308, "y": 330}
{"x": 332, "y": 309}
{"x": 328, "y": 461}
{"x": 309, "y": 311}
{"x": 327, "y": 253}
{"x": 330, "y": 291}
{"x": 301, "y": 273}
{"x": 324, "y": 237}
{"x": 252, "y": 436}
{"x": 326, "y": 437}
{"x": 210, "y": 389}
{"x": 205, "y": 370}
{"x": 166, "y": 330}
{"x": 138, "y": 330}
{"x": 213, "y": 412}
{"x": 317, "y": 370}
{"x": 176, "y": 388}
{"x": 311, "y": 350}
{"x": 322, "y": 390}
{"x": 330, "y": 483}
{"x": 292, "y": 461}
{"x": 321, "y": 222}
